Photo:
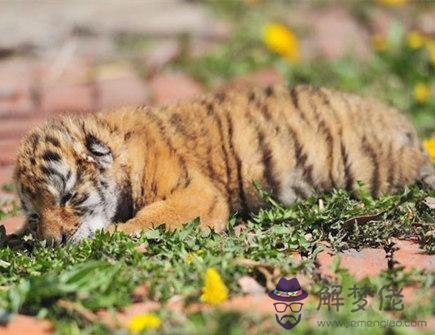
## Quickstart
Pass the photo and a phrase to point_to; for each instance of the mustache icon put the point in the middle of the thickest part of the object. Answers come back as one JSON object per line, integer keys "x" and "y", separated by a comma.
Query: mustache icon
{"x": 288, "y": 321}
{"x": 291, "y": 318}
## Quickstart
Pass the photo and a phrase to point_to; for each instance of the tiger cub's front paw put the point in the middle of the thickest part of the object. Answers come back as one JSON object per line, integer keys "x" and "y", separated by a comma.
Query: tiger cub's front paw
{"x": 129, "y": 228}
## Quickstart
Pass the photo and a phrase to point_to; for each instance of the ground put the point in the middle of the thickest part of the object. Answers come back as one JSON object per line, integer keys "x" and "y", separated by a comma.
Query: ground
{"x": 81, "y": 57}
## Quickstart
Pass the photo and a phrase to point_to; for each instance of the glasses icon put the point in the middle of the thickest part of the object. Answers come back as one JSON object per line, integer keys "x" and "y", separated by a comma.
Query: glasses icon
{"x": 281, "y": 307}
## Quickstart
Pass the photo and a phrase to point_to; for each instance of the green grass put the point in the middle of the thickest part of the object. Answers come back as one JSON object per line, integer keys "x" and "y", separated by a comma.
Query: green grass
{"x": 101, "y": 273}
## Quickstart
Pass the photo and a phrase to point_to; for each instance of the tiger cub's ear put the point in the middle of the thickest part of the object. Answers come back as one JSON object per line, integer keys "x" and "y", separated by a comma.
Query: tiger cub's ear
{"x": 100, "y": 151}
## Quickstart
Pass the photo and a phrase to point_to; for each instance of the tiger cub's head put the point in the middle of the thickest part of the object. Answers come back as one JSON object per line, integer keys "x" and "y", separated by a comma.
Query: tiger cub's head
{"x": 68, "y": 176}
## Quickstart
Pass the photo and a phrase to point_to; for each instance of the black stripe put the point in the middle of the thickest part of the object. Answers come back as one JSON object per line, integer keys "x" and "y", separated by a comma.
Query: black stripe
{"x": 294, "y": 97}
{"x": 329, "y": 142}
{"x": 162, "y": 129}
{"x": 52, "y": 140}
{"x": 51, "y": 156}
{"x": 176, "y": 121}
{"x": 348, "y": 175}
{"x": 80, "y": 211}
{"x": 268, "y": 91}
{"x": 185, "y": 181}
{"x": 242, "y": 195}
{"x": 124, "y": 208}
{"x": 218, "y": 121}
{"x": 99, "y": 191}
{"x": 52, "y": 172}
{"x": 127, "y": 135}
{"x": 323, "y": 127}
{"x": 375, "y": 180}
{"x": 295, "y": 100}
{"x": 265, "y": 112}
{"x": 220, "y": 97}
{"x": 76, "y": 201}
{"x": 268, "y": 163}
{"x": 266, "y": 152}
{"x": 34, "y": 139}
{"x": 204, "y": 133}
{"x": 111, "y": 127}
{"x": 301, "y": 157}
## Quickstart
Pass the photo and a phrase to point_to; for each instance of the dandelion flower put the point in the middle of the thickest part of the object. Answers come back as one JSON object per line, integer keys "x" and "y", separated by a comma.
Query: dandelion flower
{"x": 144, "y": 321}
{"x": 379, "y": 43}
{"x": 392, "y": 3}
{"x": 214, "y": 290}
{"x": 282, "y": 41}
{"x": 415, "y": 40}
{"x": 429, "y": 144}
{"x": 421, "y": 92}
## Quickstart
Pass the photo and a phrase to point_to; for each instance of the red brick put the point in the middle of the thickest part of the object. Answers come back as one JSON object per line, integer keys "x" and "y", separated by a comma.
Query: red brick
{"x": 16, "y": 78}
{"x": 16, "y": 128}
{"x": 5, "y": 174}
{"x": 8, "y": 151}
{"x": 162, "y": 53}
{"x": 411, "y": 256}
{"x": 250, "y": 285}
{"x": 12, "y": 224}
{"x": 170, "y": 88}
{"x": 68, "y": 98}
{"x": 19, "y": 106}
{"x": 127, "y": 91}
{"x": 23, "y": 324}
{"x": 415, "y": 295}
{"x": 72, "y": 71}
{"x": 360, "y": 264}
{"x": 335, "y": 33}
{"x": 268, "y": 76}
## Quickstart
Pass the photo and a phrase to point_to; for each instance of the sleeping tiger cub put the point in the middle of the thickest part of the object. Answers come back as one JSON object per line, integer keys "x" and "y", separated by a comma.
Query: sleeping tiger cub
{"x": 169, "y": 165}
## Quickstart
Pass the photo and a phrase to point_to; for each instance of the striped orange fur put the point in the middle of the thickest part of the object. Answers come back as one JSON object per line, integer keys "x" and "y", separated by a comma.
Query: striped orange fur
{"x": 169, "y": 165}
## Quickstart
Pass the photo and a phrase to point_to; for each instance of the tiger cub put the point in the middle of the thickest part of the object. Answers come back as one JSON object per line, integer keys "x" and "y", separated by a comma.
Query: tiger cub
{"x": 169, "y": 165}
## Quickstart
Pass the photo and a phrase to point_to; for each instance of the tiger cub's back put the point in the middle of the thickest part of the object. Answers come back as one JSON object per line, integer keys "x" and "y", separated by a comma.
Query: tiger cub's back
{"x": 294, "y": 141}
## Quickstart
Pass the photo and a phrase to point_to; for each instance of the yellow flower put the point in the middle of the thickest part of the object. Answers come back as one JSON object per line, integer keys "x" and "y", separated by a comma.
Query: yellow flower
{"x": 214, "y": 290}
{"x": 392, "y": 3}
{"x": 282, "y": 41}
{"x": 415, "y": 40}
{"x": 189, "y": 258}
{"x": 379, "y": 43}
{"x": 421, "y": 92}
{"x": 144, "y": 321}
{"x": 429, "y": 144}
